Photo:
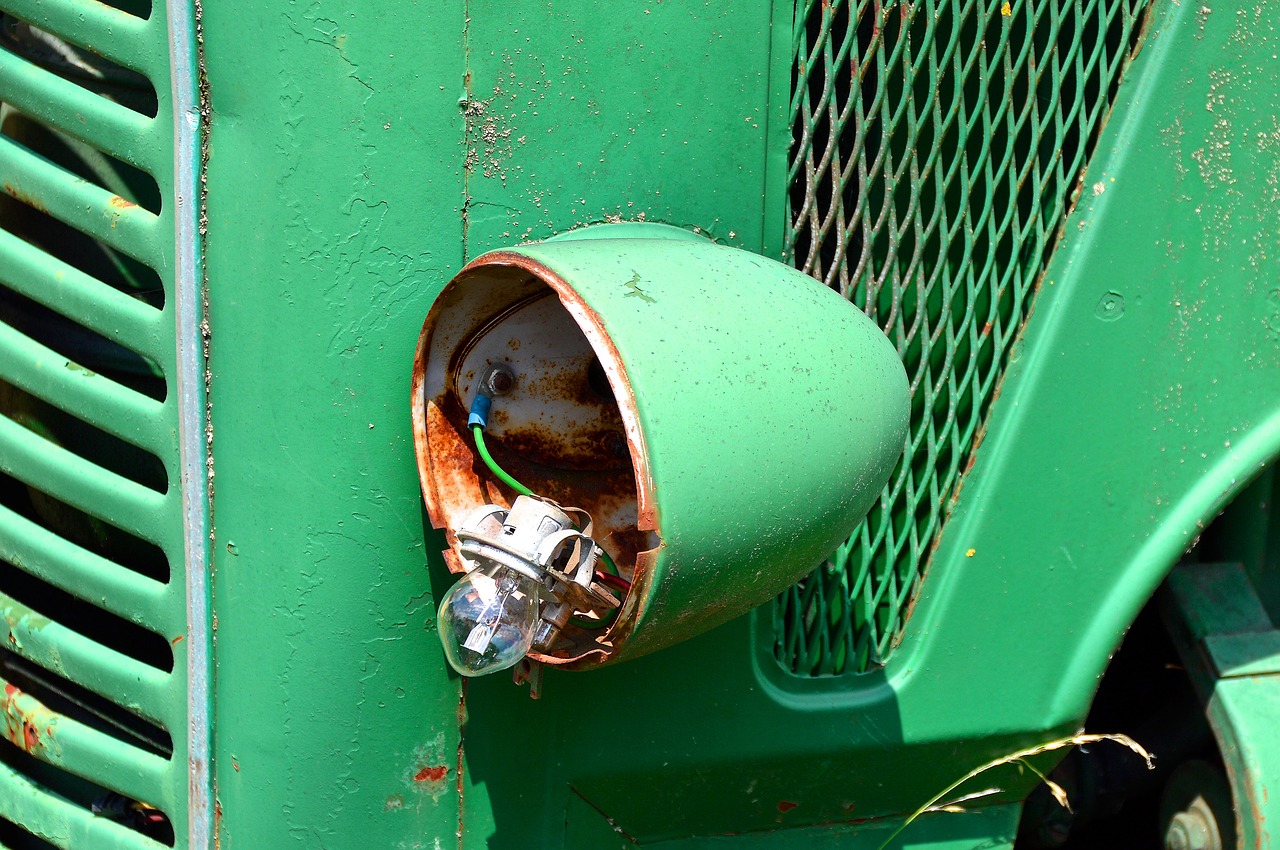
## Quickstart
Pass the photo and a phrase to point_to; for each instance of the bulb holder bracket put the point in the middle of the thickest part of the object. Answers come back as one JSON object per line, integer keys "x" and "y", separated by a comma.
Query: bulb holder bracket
{"x": 539, "y": 540}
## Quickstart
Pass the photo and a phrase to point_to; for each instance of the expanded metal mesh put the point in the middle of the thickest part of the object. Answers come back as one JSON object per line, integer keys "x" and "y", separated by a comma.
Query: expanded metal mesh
{"x": 937, "y": 145}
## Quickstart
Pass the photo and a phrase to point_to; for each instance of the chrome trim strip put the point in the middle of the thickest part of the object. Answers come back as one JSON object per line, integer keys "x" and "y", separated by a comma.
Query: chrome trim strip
{"x": 188, "y": 311}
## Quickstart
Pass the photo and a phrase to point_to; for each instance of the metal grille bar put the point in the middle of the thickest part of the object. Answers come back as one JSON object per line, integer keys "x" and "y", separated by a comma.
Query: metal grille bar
{"x": 119, "y": 678}
{"x": 95, "y": 212}
{"x": 85, "y": 301}
{"x": 59, "y": 821}
{"x": 70, "y": 479}
{"x": 117, "y": 35}
{"x": 93, "y": 120}
{"x": 93, "y": 578}
{"x": 84, "y": 394}
{"x": 58, "y": 740}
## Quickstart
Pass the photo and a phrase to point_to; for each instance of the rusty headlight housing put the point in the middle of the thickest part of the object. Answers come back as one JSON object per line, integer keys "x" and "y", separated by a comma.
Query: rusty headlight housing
{"x": 719, "y": 422}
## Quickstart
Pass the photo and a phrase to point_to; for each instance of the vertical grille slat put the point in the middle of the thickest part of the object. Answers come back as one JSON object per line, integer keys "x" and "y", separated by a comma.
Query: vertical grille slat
{"x": 116, "y": 409}
{"x": 95, "y": 212}
{"x": 58, "y": 740}
{"x": 936, "y": 148}
{"x": 107, "y": 31}
{"x": 77, "y": 296}
{"x": 91, "y": 577}
{"x": 85, "y": 486}
{"x": 124, "y": 134}
{"x": 60, "y": 822}
{"x": 130, "y": 684}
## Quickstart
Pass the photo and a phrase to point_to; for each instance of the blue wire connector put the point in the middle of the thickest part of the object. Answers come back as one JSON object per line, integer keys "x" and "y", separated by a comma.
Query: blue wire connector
{"x": 479, "y": 411}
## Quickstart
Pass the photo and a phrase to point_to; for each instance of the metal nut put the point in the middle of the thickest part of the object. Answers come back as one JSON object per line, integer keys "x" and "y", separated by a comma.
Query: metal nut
{"x": 498, "y": 380}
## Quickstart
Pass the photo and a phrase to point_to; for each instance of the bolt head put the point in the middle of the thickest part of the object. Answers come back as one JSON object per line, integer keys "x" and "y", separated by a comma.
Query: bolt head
{"x": 498, "y": 380}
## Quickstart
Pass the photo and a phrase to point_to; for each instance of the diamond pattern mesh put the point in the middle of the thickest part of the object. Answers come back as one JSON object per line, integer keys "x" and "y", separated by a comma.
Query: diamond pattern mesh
{"x": 936, "y": 148}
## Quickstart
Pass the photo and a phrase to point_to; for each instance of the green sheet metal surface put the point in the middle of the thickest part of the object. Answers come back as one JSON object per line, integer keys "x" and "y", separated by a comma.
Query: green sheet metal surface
{"x": 341, "y": 187}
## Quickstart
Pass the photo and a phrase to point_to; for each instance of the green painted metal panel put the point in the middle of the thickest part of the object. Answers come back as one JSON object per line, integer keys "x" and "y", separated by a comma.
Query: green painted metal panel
{"x": 355, "y": 164}
{"x": 663, "y": 112}
{"x": 334, "y": 212}
{"x": 358, "y": 252}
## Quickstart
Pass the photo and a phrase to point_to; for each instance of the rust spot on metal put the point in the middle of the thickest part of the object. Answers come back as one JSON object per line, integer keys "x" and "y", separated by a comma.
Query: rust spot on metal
{"x": 27, "y": 723}
{"x": 121, "y": 203}
{"x": 27, "y": 198}
{"x": 786, "y": 806}
{"x": 462, "y": 725}
{"x": 594, "y": 449}
{"x": 431, "y": 774}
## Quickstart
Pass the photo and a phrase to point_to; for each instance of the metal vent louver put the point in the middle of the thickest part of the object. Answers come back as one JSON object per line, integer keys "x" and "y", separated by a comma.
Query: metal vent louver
{"x": 93, "y": 695}
{"x": 936, "y": 148}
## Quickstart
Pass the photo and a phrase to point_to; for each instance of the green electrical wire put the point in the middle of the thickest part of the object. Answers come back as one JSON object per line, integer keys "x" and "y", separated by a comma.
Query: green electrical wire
{"x": 506, "y": 478}
{"x": 503, "y": 476}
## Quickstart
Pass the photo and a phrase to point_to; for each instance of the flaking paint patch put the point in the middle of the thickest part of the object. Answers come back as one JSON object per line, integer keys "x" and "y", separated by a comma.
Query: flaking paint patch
{"x": 488, "y": 135}
{"x": 427, "y": 774}
{"x": 21, "y": 620}
{"x": 29, "y": 725}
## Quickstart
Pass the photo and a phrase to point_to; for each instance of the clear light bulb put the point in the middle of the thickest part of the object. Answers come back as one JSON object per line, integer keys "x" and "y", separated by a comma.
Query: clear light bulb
{"x": 488, "y": 619}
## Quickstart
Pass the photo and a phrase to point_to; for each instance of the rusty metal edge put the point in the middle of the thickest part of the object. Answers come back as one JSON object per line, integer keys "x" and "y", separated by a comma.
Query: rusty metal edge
{"x": 593, "y": 328}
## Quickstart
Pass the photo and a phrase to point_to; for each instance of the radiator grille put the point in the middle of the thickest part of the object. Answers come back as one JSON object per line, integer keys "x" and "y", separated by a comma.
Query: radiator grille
{"x": 936, "y": 148}
{"x": 92, "y": 691}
